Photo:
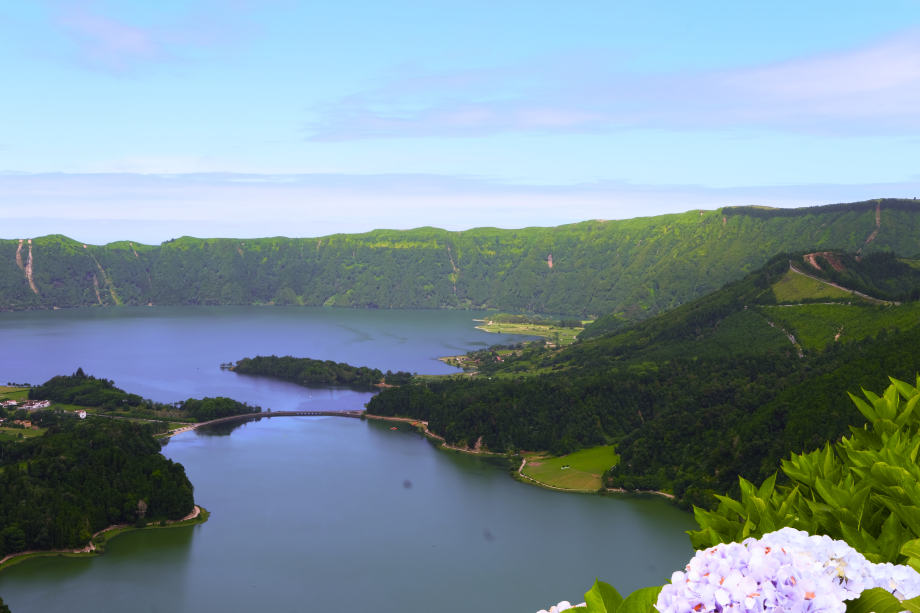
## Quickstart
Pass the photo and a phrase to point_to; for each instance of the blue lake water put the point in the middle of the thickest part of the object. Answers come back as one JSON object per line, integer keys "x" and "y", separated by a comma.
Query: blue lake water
{"x": 323, "y": 513}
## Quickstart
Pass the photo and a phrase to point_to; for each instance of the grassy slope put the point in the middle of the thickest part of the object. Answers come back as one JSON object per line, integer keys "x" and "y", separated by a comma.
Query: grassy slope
{"x": 817, "y": 325}
{"x": 795, "y": 287}
{"x": 632, "y": 268}
{"x": 584, "y": 471}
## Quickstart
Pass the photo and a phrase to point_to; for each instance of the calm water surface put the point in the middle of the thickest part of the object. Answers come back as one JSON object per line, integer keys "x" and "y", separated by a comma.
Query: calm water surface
{"x": 323, "y": 513}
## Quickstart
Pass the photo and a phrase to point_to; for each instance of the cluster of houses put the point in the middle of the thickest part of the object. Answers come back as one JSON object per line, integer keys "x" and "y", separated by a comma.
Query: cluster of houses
{"x": 25, "y": 423}
{"x": 32, "y": 405}
{"x": 29, "y": 405}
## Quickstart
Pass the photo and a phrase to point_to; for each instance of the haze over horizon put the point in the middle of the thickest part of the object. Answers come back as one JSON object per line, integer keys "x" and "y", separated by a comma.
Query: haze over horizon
{"x": 243, "y": 119}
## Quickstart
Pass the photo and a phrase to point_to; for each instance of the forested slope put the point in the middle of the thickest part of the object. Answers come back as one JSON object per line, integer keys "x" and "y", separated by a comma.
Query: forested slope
{"x": 81, "y": 476}
{"x": 692, "y": 398}
{"x": 630, "y": 269}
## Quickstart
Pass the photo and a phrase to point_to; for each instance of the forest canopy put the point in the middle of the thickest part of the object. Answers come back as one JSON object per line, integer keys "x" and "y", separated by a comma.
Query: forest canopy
{"x": 307, "y": 371}
{"x": 85, "y": 390}
{"x": 692, "y": 398}
{"x": 81, "y": 476}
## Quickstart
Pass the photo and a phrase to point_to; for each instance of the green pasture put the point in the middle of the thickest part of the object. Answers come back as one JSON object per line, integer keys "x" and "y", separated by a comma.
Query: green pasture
{"x": 816, "y": 325}
{"x": 581, "y": 470}
{"x": 12, "y": 434}
{"x": 14, "y": 393}
{"x": 795, "y": 287}
{"x": 566, "y": 335}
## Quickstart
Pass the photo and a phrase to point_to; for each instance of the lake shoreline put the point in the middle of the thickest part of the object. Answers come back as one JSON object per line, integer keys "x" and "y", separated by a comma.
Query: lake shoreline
{"x": 198, "y": 516}
{"x": 431, "y": 435}
{"x": 517, "y": 475}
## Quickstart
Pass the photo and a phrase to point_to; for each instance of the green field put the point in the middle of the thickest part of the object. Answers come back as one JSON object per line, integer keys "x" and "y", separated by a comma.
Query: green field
{"x": 795, "y": 287}
{"x": 581, "y": 470}
{"x": 14, "y": 393}
{"x": 12, "y": 434}
{"x": 566, "y": 335}
{"x": 816, "y": 325}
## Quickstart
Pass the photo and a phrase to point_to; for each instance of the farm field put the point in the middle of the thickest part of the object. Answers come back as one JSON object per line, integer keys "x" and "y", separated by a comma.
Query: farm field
{"x": 581, "y": 470}
{"x": 14, "y": 393}
{"x": 566, "y": 335}
{"x": 12, "y": 434}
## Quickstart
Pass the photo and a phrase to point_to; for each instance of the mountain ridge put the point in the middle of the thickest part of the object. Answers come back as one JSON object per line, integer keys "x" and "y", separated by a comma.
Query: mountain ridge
{"x": 631, "y": 268}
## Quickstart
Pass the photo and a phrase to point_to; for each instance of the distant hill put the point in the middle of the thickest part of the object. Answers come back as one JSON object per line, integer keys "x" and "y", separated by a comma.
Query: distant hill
{"x": 824, "y": 277}
{"x": 722, "y": 386}
{"x": 629, "y": 269}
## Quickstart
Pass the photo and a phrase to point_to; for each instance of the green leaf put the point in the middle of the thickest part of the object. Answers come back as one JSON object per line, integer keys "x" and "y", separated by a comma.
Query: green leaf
{"x": 875, "y": 600}
{"x": 914, "y": 563}
{"x": 602, "y": 598}
{"x": 907, "y": 411}
{"x": 863, "y": 407}
{"x": 911, "y": 548}
{"x": 890, "y": 476}
{"x": 912, "y": 605}
{"x": 642, "y": 601}
{"x": 889, "y": 540}
{"x": 766, "y": 488}
{"x": 884, "y": 426}
{"x": 906, "y": 390}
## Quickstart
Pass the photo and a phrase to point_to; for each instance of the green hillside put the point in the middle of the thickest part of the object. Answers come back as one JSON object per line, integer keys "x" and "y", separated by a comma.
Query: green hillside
{"x": 817, "y": 325}
{"x": 796, "y": 287}
{"x": 692, "y": 398}
{"x": 630, "y": 269}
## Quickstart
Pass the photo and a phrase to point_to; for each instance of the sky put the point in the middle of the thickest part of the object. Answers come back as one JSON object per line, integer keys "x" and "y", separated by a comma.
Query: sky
{"x": 147, "y": 121}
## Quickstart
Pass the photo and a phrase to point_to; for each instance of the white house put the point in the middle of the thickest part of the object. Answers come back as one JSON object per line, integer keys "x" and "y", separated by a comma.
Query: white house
{"x": 9, "y": 403}
{"x": 81, "y": 414}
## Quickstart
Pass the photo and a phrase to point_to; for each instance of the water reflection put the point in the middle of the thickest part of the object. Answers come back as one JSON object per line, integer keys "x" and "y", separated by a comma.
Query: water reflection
{"x": 225, "y": 428}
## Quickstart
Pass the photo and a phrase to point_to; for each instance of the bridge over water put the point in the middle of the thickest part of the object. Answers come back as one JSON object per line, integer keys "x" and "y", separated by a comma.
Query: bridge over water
{"x": 269, "y": 414}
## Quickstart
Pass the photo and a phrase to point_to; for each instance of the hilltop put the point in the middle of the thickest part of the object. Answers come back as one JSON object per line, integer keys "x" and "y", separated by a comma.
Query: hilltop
{"x": 629, "y": 269}
{"x": 722, "y": 386}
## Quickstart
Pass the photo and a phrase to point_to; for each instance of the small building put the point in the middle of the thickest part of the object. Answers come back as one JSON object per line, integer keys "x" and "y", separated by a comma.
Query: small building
{"x": 23, "y": 422}
{"x": 81, "y": 414}
{"x": 32, "y": 405}
{"x": 9, "y": 403}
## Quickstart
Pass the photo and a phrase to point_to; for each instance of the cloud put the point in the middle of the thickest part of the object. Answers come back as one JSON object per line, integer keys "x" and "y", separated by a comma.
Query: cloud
{"x": 100, "y": 208}
{"x": 111, "y": 44}
{"x": 871, "y": 90}
{"x": 114, "y": 45}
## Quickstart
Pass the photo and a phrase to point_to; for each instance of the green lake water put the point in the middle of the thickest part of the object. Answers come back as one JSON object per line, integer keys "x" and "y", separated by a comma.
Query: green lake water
{"x": 328, "y": 514}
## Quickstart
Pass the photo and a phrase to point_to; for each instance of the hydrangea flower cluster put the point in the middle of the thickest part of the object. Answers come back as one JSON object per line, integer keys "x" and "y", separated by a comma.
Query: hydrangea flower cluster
{"x": 565, "y": 605}
{"x": 787, "y": 570}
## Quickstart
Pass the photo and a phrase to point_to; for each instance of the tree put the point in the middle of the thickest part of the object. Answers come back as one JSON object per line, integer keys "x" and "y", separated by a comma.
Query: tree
{"x": 14, "y": 540}
{"x": 3, "y": 607}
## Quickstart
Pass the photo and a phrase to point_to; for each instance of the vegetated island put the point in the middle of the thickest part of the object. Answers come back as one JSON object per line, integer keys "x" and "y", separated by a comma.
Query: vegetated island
{"x": 307, "y": 371}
